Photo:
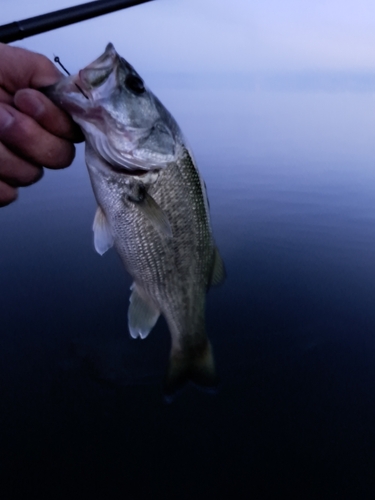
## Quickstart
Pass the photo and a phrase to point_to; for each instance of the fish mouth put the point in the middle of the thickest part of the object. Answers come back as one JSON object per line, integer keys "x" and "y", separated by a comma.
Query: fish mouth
{"x": 75, "y": 93}
{"x": 93, "y": 76}
{"x": 68, "y": 94}
{"x": 80, "y": 86}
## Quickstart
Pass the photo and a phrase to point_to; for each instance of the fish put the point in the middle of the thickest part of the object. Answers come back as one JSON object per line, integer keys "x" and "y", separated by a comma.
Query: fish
{"x": 152, "y": 208}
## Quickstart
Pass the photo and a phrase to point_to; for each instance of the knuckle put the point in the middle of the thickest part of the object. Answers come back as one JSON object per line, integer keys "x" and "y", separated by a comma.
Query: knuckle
{"x": 8, "y": 194}
{"x": 25, "y": 126}
{"x": 29, "y": 102}
{"x": 15, "y": 126}
{"x": 71, "y": 154}
{"x": 6, "y": 119}
{"x": 62, "y": 156}
{"x": 45, "y": 63}
{"x": 31, "y": 176}
{"x": 46, "y": 67}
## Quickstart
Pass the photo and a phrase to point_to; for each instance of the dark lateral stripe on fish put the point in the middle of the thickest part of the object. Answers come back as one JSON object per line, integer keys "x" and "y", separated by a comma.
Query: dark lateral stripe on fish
{"x": 136, "y": 173}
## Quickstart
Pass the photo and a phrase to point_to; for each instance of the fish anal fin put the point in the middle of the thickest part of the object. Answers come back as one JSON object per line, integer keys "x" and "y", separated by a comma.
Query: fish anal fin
{"x": 196, "y": 365}
{"x": 103, "y": 237}
{"x": 142, "y": 314}
{"x": 218, "y": 270}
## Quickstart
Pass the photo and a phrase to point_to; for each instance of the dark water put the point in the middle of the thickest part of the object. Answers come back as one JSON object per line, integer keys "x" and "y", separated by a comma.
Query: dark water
{"x": 291, "y": 182}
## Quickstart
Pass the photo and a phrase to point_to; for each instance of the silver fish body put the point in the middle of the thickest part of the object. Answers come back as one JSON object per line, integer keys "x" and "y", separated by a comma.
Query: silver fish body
{"x": 154, "y": 210}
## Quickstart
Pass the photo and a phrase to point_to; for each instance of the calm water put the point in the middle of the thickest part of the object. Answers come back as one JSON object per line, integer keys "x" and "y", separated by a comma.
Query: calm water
{"x": 291, "y": 183}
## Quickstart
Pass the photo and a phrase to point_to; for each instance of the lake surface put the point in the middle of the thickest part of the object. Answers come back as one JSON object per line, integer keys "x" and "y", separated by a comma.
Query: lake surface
{"x": 291, "y": 183}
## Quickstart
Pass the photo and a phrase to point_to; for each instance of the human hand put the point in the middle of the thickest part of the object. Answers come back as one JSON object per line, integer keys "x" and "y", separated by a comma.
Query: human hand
{"x": 34, "y": 132}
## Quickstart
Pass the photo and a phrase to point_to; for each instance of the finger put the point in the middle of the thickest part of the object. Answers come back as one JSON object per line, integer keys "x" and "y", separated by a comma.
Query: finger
{"x": 5, "y": 96}
{"x": 47, "y": 114}
{"x": 25, "y": 137}
{"x": 21, "y": 68}
{"x": 16, "y": 171}
{"x": 7, "y": 194}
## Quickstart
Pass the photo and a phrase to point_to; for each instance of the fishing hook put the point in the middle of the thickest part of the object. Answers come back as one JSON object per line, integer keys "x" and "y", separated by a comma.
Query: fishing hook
{"x": 57, "y": 61}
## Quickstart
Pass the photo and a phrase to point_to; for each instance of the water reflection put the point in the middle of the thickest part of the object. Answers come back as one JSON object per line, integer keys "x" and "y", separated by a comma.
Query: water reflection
{"x": 290, "y": 181}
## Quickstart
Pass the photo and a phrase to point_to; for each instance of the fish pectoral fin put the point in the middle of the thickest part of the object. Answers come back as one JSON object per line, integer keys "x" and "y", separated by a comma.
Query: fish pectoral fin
{"x": 142, "y": 315}
{"x": 218, "y": 270}
{"x": 155, "y": 215}
{"x": 103, "y": 237}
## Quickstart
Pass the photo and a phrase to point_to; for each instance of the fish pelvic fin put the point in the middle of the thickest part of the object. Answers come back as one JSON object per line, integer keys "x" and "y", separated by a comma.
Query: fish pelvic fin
{"x": 103, "y": 237}
{"x": 196, "y": 365}
{"x": 142, "y": 314}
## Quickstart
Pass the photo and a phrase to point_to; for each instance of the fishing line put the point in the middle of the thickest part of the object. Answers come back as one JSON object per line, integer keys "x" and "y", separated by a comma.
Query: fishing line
{"x": 57, "y": 61}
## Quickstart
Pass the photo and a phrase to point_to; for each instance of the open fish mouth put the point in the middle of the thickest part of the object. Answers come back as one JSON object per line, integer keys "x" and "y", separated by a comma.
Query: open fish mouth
{"x": 121, "y": 119}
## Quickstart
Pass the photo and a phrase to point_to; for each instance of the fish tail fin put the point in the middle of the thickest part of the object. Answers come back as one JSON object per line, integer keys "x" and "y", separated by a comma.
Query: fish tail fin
{"x": 196, "y": 365}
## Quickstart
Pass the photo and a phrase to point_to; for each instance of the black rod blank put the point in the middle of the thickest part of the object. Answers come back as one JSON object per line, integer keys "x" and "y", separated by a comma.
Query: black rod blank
{"x": 47, "y": 22}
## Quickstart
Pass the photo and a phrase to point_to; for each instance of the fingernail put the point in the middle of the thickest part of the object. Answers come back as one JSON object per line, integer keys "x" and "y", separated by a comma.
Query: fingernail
{"x": 5, "y": 118}
{"x": 35, "y": 107}
{"x": 27, "y": 102}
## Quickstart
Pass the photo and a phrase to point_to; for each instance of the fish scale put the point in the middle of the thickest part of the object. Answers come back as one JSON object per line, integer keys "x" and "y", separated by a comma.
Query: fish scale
{"x": 166, "y": 268}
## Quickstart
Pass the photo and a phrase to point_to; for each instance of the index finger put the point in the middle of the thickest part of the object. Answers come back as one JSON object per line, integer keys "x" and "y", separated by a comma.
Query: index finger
{"x": 47, "y": 114}
{"x": 21, "y": 68}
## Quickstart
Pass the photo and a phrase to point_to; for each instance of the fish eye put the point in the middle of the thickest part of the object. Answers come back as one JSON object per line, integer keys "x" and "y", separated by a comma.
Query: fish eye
{"x": 135, "y": 84}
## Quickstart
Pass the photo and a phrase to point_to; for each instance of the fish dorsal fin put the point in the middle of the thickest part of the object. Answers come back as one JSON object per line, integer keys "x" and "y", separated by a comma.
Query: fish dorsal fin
{"x": 155, "y": 215}
{"x": 142, "y": 314}
{"x": 103, "y": 237}
{"x": 218, "y": 270}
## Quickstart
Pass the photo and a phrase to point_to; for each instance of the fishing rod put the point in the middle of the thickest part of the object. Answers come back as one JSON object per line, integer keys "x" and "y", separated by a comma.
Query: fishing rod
{"x": 40, "y": 24}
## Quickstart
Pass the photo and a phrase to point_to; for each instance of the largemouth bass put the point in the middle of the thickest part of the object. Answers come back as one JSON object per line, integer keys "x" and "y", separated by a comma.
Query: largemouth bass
{"x": 152, "y": 207}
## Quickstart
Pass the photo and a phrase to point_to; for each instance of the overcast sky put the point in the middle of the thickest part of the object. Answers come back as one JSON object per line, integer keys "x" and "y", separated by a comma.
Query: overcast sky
{"x": 216, "y": 35}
